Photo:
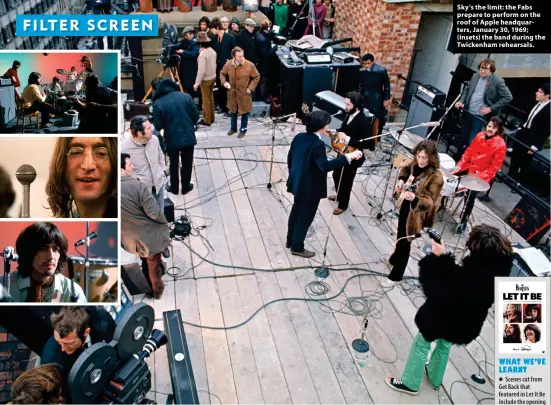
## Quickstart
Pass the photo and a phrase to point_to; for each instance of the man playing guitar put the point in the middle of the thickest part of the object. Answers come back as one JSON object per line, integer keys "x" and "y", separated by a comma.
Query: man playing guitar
{"x": 354, "y": 128}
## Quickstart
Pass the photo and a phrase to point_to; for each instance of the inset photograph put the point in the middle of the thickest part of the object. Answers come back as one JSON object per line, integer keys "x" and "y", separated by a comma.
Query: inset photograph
{"x": 59, "y": 92}
{"x": 61, "y": 177}
{"x": 531, "y": 313}
{"x": 61, "y": 262}
{"x": 531, "y": 334}
{"x": 512, "y": 313}
{"x": 511, "y": 333}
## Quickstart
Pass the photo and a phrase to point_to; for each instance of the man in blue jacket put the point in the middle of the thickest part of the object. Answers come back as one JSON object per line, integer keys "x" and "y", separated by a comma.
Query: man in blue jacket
{"x": 176, "y": 113}
{"x": 308, "y": 168}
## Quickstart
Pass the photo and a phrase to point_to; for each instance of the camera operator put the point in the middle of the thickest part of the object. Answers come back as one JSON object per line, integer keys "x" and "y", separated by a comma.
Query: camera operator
{"x": 76, "y": 329}
{"x": 40, "y": 385}
{"x": 458, "y": 298}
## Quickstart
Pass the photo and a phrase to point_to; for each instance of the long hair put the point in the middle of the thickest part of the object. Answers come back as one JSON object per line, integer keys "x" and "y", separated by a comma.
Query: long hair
{"x": 528, "y": 312}
{"x": 535, "y": 329}
{"x": 33, "y": 78}
{"x": 487, "y": 241}
{"x": 516, "y": 333}
{"x": 57, "y": 188}
{"x": 516, "y": 310}
{"x": 36, "y": 237}
{"x": 40, "y": 385}
{"x": 429, "y": 147}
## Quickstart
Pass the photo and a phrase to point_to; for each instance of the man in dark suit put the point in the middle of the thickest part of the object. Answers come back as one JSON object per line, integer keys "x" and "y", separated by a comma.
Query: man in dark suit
{"x": 189, "y": 52}
{"x": 482, "y": 99}
{"x": 374, "y": 86}
{"x": 308, "y": 168}
{"x": 533, "y": 133}
{"x": 222, "y": 43}
{"x": 355, "y": 126}
{"x": 245, "y": 40}
{"x": 76, "y": 329}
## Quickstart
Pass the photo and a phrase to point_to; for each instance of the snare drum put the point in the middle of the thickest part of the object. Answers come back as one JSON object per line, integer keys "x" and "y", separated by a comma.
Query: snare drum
{"x": 449, "y": 188}
{"x": 103, "y": 275}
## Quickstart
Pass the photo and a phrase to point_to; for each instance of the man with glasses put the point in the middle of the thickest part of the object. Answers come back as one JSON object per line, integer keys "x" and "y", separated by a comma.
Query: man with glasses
{"x": 147, "y": 157}
{"x": 83, "y": 180}
{"x": 483, "y": 98}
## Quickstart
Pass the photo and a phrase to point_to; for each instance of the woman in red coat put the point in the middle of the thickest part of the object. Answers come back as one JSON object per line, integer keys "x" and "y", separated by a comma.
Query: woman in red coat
{"x": 482, "y": 159}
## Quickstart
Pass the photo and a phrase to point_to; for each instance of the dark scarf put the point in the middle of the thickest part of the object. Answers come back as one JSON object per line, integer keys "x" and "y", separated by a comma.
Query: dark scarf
{"x": 36, "y": 291}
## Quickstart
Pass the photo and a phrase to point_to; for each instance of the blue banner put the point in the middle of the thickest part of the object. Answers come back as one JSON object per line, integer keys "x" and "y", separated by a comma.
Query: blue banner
{"x": 32, "y": 25}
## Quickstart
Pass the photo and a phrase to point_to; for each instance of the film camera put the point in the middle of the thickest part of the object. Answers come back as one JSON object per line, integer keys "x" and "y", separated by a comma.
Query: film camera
{"x": 116, "y": 372}
{"x": 169, "y": 57}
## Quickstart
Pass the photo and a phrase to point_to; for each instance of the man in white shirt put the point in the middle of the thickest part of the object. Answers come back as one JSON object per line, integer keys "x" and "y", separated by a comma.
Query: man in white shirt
{"x": 147, "y": 157}
{"x": 532, "y": 134}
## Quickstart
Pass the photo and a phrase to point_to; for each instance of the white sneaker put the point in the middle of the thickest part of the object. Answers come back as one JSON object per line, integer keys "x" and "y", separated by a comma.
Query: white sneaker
{"x": 387, "y": 283}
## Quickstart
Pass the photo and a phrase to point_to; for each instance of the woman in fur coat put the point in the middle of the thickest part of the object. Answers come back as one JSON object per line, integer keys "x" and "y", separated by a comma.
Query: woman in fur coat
{"x": 451, "y": 291}
{"x": 418, "y": 208}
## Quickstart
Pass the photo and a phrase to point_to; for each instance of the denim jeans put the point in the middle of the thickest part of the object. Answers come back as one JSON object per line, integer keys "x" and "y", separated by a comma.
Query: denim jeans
{"x": 473, "y": 124}
{"x": 244, "y": 122}
{"x": 415, "y": 366}
{"x": 160, "y": 197}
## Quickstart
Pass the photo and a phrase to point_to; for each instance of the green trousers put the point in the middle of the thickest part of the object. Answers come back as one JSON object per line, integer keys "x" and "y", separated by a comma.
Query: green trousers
{"x": 415, "y": 366}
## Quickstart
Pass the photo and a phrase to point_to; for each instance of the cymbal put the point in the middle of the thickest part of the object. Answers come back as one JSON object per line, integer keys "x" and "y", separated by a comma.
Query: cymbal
{"x": 407, "y": 139}
{"x": 62, "y": 71}
{"x": 473, "y": 183}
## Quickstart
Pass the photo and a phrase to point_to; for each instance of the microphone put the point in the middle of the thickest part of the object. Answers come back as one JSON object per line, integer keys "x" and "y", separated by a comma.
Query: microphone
{"x": 26, "y": 174}
{"x": 81, "y": 242}
{"x": 9, "y": 254}
{"x": 431, "y": 124}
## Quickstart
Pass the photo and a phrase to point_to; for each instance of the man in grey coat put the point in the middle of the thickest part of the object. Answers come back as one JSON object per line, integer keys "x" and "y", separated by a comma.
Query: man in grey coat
{"x": 144, "y": 228}
{"x": 482, "y": 99}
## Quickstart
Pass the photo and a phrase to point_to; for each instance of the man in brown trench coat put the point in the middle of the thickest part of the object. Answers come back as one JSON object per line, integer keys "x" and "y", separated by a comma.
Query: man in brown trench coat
{"x": 240, "y": 77}
{"x": 144, "y": 229}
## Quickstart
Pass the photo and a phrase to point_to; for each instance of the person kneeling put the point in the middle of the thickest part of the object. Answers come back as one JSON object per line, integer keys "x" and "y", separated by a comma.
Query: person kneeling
{"x": 308, "y": 168}
{"x": 450, "y": 294}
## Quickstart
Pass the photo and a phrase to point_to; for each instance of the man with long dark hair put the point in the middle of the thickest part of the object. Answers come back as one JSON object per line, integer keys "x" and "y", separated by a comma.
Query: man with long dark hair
{"x": 451, "y": 292}
{"x": 42, "y": 250}
{"x": 308, "y": 168}
{"x": 511, "y": 333}
{"x": 354, "y": 128}
{"x": 418, "y": 207}
{"x": 35, "y": 100}
{"x": 99, "y": 113}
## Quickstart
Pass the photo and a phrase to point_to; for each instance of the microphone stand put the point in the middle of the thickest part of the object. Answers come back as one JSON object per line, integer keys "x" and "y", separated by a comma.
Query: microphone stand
{"x": 86, "y": 259}
{"x": 296, "y": 20}
{"x": 452, "y": 105}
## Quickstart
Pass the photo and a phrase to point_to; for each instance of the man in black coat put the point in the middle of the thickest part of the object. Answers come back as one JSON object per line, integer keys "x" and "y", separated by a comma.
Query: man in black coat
{"x": 189, "y": 52}
{"x": 308, "y": 168}
{"x": 176, "y": 113}
{"x": 374, "y": 86}
{"x": 354, "y": 128}
{"x": 76, "y": 329}
{"x": 222, "y": 43}
{"x": 458, "y": 298}
{"x": 533, "y": 133}
{"x": 245, "y": 40}
{"x": 264, "y": 52}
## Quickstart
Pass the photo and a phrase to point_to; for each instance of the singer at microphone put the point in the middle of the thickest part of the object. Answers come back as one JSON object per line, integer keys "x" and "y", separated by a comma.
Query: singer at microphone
{"x": 419, "y": 207}
{"x": 458, "y": 298}
{"x": 42, "y": 249}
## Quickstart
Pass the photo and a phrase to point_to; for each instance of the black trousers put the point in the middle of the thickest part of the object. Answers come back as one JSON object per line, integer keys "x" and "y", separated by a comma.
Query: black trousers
{"x": 399, "y": 259}
{"x": 470, "y": 198}
{"x": 346, "y": 183}
{"x": 45, "y": 111}
{"x": 221, "y": 95}
{"x": 301, "y": 217}
{"x": 185, "y": 172}
{"x": 519, "y": 159}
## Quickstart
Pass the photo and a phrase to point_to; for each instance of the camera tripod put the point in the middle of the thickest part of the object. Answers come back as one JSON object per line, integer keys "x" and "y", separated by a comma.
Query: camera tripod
{"x": 173, "y": 72}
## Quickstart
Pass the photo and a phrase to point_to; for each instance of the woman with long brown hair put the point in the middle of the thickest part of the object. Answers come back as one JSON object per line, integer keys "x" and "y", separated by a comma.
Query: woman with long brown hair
{"x": 83, "y": 178}
{"x": 419, "y": 207}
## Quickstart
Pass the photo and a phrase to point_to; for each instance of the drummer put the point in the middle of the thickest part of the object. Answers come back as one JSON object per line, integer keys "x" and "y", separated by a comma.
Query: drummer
{"x": 482, "y": 159}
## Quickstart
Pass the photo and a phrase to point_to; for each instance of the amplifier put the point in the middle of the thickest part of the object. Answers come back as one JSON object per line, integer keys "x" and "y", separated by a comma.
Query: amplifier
{"x": 260, "y": 109}
{"x": 431, "y": 95}
{"x": 320, "y": 58}
{"x": 5, "y": 81}
{"x": 343, "y": 58}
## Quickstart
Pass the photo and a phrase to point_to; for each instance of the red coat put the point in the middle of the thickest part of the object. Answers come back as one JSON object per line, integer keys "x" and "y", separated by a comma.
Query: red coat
{"x": 484, "y": 157}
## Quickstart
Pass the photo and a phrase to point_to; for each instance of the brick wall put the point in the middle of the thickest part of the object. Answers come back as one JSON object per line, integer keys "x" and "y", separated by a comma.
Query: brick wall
{"x": 14, "y": 358}
{"x": 387, "y": 30}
